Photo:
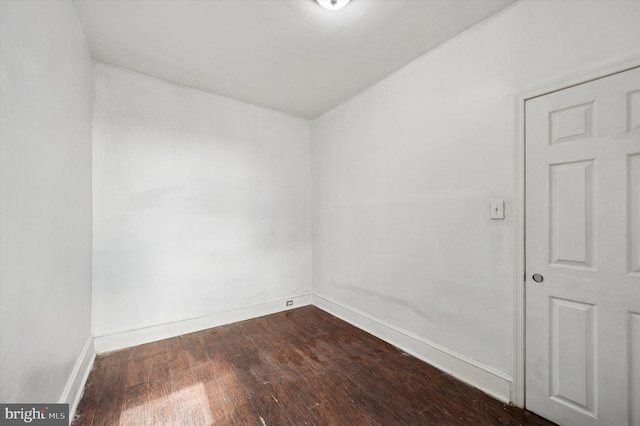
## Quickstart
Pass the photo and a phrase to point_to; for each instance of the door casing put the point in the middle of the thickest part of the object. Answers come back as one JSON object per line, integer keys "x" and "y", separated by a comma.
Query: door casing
{"x": 519, "y": 199}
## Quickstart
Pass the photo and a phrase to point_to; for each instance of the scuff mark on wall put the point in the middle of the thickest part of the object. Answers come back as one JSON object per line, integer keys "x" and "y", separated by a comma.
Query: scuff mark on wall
{"x": 392, "y": 299}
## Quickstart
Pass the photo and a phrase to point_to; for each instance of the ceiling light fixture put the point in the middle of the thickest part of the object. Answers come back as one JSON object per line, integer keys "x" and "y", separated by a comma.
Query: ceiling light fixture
{"x": 333, "y": 4}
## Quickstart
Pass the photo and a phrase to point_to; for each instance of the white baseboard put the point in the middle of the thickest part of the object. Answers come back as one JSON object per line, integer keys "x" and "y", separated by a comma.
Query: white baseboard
{"x": 483, "y": 377}
{"x": 75, "y": 385}
{"x": 491, "y": 381}
{"x": 112, "y": 342}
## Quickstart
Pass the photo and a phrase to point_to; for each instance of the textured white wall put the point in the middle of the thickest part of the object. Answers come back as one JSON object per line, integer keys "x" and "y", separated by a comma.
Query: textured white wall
{"x": 404, "y": 172}
{"x": 45, "y": 194}
{"x": 201, "y": 204}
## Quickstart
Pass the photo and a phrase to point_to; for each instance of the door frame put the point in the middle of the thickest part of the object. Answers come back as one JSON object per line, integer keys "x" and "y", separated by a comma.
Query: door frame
{"x": 519, "y": 199}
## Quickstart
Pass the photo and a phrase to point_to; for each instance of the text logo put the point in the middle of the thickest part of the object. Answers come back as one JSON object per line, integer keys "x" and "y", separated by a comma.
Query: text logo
{"x": 34, "y": 414}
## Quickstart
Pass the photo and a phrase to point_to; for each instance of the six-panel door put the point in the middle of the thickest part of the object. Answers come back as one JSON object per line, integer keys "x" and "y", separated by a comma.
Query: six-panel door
{"x": 583, "y": 237}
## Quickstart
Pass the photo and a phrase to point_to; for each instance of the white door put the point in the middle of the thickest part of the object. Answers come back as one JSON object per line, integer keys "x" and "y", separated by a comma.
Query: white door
{"x": 583, "y": 239}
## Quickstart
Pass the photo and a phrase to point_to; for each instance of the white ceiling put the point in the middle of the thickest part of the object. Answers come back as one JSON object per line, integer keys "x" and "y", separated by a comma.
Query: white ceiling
{"x": 288, "y": 55}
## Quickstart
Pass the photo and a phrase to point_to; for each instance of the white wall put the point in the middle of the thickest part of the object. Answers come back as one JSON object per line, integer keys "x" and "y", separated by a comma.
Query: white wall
{"x": 45, "y": 194}
{"x": 201, "y": 204}
{"x": 404, "y": 172}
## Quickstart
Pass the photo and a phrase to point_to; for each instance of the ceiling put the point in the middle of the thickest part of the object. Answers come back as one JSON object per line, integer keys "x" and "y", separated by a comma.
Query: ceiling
{"x": 288, "y": 55}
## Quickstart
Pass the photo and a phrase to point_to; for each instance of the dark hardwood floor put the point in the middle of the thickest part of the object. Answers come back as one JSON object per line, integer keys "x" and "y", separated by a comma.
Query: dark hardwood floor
{"x": 301, "y": 367}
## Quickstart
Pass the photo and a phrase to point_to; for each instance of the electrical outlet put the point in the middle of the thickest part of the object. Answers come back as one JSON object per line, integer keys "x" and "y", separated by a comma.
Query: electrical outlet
{"x": 289, "y": 302}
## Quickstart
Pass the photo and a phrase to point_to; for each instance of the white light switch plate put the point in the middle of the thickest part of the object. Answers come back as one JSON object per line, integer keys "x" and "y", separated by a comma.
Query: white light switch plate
{"x": 497, "y": 209}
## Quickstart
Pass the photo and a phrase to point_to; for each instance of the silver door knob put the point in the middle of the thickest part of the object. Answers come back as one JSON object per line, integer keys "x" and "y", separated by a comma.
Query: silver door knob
{"x": 538, "y": 278}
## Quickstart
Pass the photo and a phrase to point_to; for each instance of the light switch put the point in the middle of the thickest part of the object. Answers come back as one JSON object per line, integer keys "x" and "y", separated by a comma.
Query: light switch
{"x": 497, "y": 209}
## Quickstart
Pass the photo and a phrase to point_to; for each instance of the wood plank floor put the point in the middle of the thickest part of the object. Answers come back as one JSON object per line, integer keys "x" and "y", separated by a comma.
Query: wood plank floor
{"x": 301, "y": 367}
